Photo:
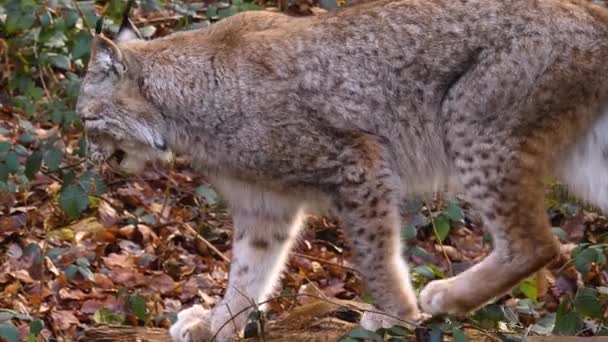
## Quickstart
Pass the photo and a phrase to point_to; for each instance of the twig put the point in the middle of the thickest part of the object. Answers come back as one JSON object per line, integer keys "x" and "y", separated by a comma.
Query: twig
{"x": 319, "y": 298}
{"x": 167, "y": 190}
{"x": 252, "y": 303}
{"x": 207, "y": 243}
{"x": 483, "y": 332}
{"x": 231, "y": 317}
{"x": 82, "y": 16}
{"x": 324, "y": 261}
{"x": 43, "y": 83}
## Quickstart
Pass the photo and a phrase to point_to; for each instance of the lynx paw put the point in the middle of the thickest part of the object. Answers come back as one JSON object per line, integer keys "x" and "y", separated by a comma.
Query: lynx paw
{"x": 373, "y": 321}
{"x": 442, "y": 297}
{"x": 192, "y": 325}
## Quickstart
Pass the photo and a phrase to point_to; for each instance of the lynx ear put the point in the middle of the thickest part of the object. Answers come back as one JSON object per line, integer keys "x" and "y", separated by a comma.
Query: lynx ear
{"x": 106, "y": 55}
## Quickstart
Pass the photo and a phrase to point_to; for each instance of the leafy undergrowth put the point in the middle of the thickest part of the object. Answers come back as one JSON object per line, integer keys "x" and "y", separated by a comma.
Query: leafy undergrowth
{"x": 82, "y": 246}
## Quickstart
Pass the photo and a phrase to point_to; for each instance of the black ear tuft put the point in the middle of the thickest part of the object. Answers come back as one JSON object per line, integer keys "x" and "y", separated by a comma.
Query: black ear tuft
{"x": 127, "y": 29}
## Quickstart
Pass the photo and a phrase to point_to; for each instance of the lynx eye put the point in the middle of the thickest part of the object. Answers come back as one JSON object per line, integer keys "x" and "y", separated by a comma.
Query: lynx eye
{"x": 162, "y": 145}
{"x": 90, "y": 118}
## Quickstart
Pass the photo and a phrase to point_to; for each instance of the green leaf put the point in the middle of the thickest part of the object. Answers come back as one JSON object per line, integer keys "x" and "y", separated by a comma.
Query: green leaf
{"x": 148, "y": 219}
{"x": 425, "y": 271}
{"x": 545, "y": 325}
{"x": 32, "y": 164}
{"x": 409, "y": 232}
{"x": 60, "y": 61}
{"x": 528, "y": 288}
{"x": 92, "y": 183}
{"x": 9, "y": 332}
{"x": 566, "y": 321}
{"x": 71, "y": 16}
{"x": 36, "y": 327}
{"x": 249, "y": 6}
{"x": 73, "y": 200}
{"x": 5, "y": 146}
{"x": 560, "y": 233}
{"x": 82, "y": 147}
{"x": 46, "y": 19}
{"x": 53, "y": 158}
{"x": 3, "y": 173}
{"x": 584, "y": 259}
{"x": 16, "y": 22}
{"x": 82, "y": 45}
{"x": 348, "y": 339}
{"x": 138, "y": 306}
{"x": 83, "y": 262}
{"x": 34, "y": 251}
{"x": 26, "y": 138}
{"x": 71, "y": 271}
{"x": 147, "y": 31}
{"x": 455, "y": 212}
{"x": 459, "y": 335}
{"x": 436, "y": 335}
{"x": 12, "y": 162}
{"x": 21, "y": 150}
{"x": 105, "y": 316}
{"x": 86, "y": 273}
{"x": 212, "y": 13}
{"x": 490, "y": 315}
{"x": 397, "y": 330}
{"x": 54, "y": 39}
{"x": 421, "y": 253}
{"x": 587, "y": 304}
{"x": 208, "y": 194}
{"x": 365, "y": 334}
{"x": 442, "y": 225}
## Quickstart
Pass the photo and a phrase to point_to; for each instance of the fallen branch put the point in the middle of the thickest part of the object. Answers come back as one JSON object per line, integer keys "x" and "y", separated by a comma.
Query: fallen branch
{"x": 316, "y": 321}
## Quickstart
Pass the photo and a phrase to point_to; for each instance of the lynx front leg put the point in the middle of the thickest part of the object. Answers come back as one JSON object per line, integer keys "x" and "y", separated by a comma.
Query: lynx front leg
{"x": 265, "y": 226}
{"x": 370, "y": 215}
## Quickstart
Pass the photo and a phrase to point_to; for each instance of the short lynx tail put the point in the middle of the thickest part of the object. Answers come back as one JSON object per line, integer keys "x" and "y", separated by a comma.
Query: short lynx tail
{"x": 585, "y": 170}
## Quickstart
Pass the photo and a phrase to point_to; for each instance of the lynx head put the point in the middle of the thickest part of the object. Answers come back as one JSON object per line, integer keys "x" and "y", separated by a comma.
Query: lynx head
{"x": 116, "y": 114}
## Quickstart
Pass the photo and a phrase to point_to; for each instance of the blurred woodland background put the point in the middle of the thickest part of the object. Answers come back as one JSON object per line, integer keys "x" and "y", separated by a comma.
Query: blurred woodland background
{"x": 83, "y": 247}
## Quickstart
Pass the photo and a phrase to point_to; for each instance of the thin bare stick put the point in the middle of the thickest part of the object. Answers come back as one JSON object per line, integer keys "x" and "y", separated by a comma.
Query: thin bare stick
{"x": 319, "y": 298}
{"x": 323, "y": 261}
{"x": 203, "y": 240}
{"x": 483, "y": 332}
{"x": 170, "y": 169}
{"x": 82, "y": 16}
{"x": 231, "y": 316}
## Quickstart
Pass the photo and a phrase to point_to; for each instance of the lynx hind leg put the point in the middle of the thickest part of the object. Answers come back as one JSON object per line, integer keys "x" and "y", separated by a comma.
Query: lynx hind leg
{"x": 368, "y": 207}
{"x": 500, "y": 151}
{"x": 504, "y": 118}
{"x": 512, "y": 206}
{"x": 265, "y": 227}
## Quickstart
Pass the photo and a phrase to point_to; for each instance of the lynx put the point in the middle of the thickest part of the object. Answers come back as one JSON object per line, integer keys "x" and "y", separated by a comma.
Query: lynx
{"x": 350, "y": 111}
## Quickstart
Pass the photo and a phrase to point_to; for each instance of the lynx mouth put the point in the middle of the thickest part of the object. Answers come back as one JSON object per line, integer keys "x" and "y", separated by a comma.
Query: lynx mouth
{"x": 118, "y": 155}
